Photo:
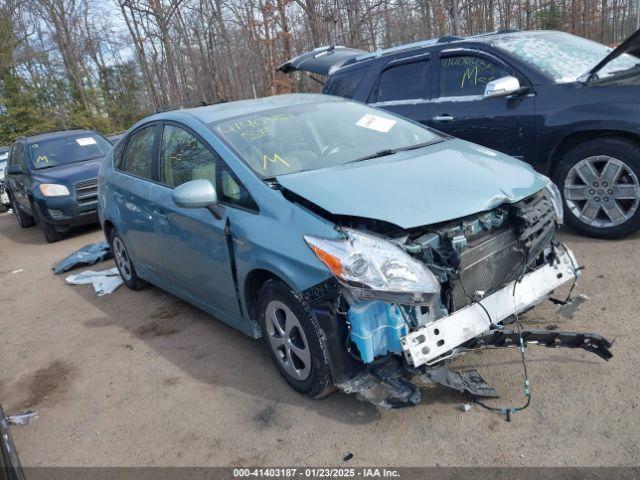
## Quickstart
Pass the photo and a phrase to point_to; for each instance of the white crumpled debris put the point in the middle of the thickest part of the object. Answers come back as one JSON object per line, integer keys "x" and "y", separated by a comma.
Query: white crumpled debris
{"x": 104, "y": 282}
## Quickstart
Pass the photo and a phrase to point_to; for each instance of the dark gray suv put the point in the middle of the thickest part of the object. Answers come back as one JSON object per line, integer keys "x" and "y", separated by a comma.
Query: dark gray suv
{"x": 568, "y": 106}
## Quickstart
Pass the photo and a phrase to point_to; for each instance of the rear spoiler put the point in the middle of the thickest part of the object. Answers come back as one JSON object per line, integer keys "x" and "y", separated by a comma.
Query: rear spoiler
{"x": 322, "y": 60}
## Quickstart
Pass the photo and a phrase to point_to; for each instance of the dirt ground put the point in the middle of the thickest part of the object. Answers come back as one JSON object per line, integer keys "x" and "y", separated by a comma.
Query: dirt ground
{"x": 142, "y": 378}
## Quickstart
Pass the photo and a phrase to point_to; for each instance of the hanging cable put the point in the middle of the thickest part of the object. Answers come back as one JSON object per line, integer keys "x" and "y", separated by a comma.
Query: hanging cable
{"x": 509, "y": 411}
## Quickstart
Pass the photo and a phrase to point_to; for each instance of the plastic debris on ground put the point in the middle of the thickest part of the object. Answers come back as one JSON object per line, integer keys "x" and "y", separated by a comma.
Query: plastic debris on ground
{"x": 87, "y": 255}
{"x": 104, "y": 282}
{"x": 568, "y": 309}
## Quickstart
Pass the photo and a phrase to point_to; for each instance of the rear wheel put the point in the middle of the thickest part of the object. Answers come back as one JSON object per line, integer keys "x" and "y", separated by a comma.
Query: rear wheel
{"x": 24, "y": 220}
{"x": 293, "y": 339}
{"x": 124, "y": 263}
{"x": 599, "y": 181}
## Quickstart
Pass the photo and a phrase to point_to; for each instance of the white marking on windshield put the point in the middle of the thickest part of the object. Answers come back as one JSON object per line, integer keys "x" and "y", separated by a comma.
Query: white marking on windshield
{"x": 85, "y": 141}
{"x": 374, "y": 122}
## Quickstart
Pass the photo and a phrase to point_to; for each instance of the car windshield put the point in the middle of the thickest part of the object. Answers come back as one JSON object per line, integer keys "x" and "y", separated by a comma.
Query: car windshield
{"x": 317, "y": 135}
{"x": 563, "y": 56}
{"x": 68, "y": 149}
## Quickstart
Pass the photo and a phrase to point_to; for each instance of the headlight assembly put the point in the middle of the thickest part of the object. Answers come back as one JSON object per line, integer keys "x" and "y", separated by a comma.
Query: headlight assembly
{"x": 364, "y": 261}
{"x": 556, "y": 198}
{"x": 53, "y": 190}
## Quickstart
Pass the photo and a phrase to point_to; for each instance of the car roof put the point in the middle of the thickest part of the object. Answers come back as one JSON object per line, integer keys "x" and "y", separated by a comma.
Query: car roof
{"x": 222, "y": 111}
{"x": 39, "y": 137}
{"x": 434, "y": 42}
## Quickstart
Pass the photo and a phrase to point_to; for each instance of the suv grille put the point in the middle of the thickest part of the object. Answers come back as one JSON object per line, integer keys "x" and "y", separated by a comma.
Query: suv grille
{"x": 87, "y": 191}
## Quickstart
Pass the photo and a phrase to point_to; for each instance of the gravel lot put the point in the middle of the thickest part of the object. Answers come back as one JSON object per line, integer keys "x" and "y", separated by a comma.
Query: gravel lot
{"x": 142, "y": 378}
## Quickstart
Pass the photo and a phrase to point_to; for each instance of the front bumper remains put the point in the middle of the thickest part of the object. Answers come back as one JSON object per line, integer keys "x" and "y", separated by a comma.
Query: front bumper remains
{"x": 395, "y": 384}
{"x": 438, "y": 340}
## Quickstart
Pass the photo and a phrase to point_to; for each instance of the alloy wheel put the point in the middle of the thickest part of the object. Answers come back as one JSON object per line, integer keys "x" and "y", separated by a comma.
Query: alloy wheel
{"x": 122, "y": 258}
{"x": 602, "y": 191}
{"x": 287, "y": 340}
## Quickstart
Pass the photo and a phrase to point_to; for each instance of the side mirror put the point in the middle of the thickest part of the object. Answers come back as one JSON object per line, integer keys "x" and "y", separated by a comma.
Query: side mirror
{"x": 198, "y": 193}
{"x": 14, "y": 170}
{"x": 501, "y": 87}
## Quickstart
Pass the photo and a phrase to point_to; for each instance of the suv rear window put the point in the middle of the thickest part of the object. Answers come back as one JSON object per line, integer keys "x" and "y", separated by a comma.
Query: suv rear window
{"x": 68, "y": 149}
{"x": 345, "y": 84}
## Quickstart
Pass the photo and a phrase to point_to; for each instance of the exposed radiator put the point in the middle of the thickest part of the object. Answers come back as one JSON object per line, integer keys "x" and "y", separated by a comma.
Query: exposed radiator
{"x": 487, "y": 266}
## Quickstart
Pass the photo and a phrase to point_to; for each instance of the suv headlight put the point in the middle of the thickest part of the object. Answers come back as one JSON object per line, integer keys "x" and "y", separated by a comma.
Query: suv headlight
{"x": 556, "y": 198}
{"x": 365, "y": 261}
{"x": 53, "y": 190}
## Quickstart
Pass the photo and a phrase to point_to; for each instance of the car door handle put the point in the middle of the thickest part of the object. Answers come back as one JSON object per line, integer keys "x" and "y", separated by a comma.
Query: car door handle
{"x": 161, "y": 216}
{"x": 443, "y": 118}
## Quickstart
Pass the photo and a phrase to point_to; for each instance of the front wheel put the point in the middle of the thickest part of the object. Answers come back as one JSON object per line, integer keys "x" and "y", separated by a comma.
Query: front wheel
{"x": 599, "y": 181}
{"x": 24, "y": 220}
{"x": 293, "y": 339}
{"x": 50, "y": 233}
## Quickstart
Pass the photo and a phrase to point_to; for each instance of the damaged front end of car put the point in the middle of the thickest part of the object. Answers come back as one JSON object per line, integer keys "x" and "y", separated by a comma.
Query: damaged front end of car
{"x": 403, "y": 303}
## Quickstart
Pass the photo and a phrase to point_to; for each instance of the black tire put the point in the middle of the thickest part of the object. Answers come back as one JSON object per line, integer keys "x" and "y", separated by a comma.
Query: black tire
{"x": 319, "y": 381}
{"x": 50, "y": 233}
{"x": 24, "y": 220}
{"x": 616, "y": 148}
{"x": 128, "y": 274}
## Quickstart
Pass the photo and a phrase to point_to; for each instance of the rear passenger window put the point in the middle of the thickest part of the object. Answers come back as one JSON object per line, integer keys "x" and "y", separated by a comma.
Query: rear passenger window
{"x": 345, "y": 84}
{"x": 118, "y": 155}
{"x": 402, "y": 82}
{"x": 139, "y": 153}
{"x": 184, "y": 158}
{"x": 467, "y": 75}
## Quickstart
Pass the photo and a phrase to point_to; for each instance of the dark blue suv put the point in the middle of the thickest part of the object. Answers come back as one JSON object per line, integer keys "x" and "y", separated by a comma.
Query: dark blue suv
{"x": 566, "y": 105}
{"x": 51, "y": 180}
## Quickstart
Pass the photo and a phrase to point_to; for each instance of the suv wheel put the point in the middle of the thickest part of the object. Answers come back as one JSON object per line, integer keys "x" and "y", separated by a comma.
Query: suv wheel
{"x": 600, "y": 185}
{"x": 124, "y": 263}
{"x": 50, "y": 233}
{"x": 293, "y": 339}
{"x": 24, "y": 220}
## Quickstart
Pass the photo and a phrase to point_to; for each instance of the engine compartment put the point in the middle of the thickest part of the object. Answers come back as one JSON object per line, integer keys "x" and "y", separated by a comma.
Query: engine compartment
{"x": 472, "y": 257}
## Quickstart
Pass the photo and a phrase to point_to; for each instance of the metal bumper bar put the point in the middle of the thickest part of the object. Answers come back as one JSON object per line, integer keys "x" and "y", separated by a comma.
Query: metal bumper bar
{"x": 435, "y": 341}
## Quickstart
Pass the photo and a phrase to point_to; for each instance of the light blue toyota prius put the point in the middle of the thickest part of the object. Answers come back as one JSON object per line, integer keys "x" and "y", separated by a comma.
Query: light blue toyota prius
{"x": 367, "y": 250}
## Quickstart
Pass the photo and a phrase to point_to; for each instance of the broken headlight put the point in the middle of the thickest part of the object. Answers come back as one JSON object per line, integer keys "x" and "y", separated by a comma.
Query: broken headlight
{"x": 369, "y": 262}
{"x": 554, "y": 195}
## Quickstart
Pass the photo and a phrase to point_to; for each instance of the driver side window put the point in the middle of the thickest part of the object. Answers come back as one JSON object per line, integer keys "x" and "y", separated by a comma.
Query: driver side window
{"x": 184, "y": 158}
{"x": 467, "y": 75}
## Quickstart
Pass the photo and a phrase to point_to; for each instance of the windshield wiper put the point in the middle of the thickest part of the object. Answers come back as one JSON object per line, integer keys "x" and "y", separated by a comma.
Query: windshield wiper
{"x": 391, "y": 151}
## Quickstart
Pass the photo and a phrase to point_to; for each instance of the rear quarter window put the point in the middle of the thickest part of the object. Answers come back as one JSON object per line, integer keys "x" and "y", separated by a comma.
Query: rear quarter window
{"x": 345, "y": 84}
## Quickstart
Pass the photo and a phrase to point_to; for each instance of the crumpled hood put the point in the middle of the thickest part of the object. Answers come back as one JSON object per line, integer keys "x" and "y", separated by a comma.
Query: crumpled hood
{"x": 445, "y": 181}
{"x": 69, "y": 174}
